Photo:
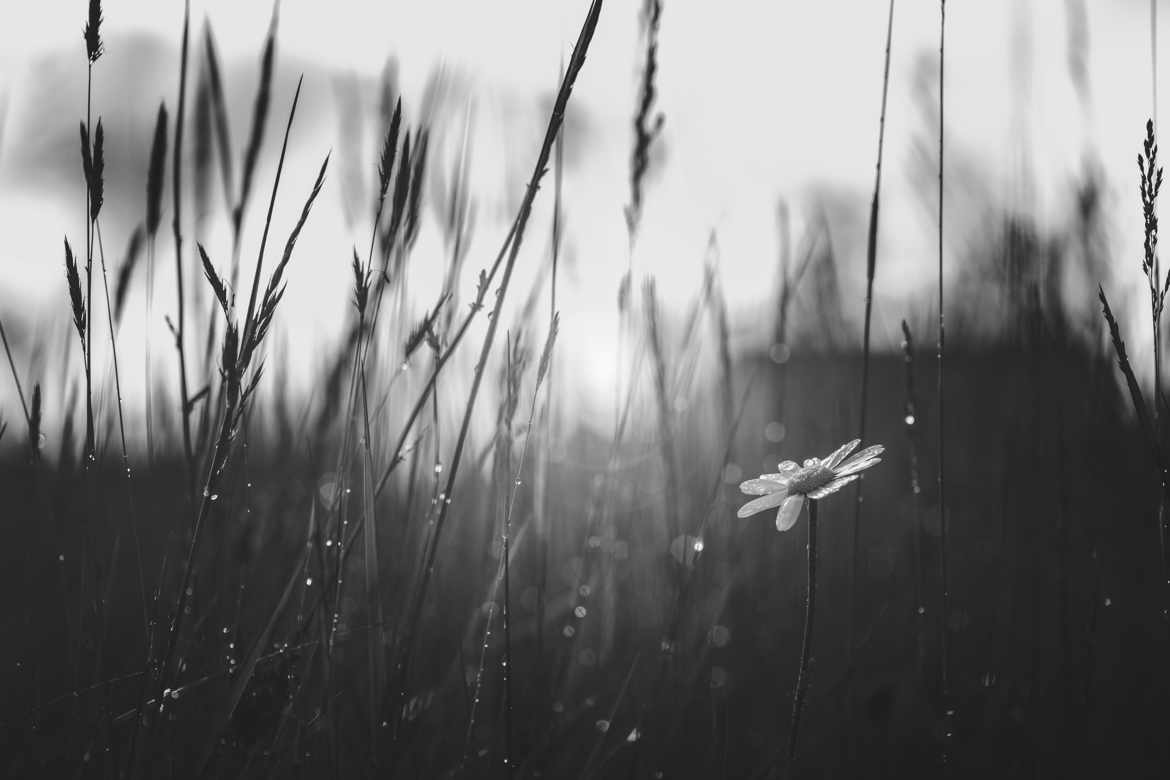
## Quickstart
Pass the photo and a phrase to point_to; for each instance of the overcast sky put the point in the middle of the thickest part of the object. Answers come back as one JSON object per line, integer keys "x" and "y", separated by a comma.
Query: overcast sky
{"x": 762, "y": 100}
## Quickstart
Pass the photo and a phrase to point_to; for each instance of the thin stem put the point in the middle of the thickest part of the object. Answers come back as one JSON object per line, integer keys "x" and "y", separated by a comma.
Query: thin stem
{"x": 176, "y": 228}
{"x": 810, "y": 605}
{"x": 945, "y": 642}
{"x": 87, "y": 347}
{"x": 870, "y": 269}
{"x": 131, "y": 518}
{"x": 15, "y": 377}
{"x": 555, "y": 120}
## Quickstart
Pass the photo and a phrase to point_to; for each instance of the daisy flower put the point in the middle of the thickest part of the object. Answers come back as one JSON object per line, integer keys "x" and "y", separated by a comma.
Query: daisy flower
{"x": 793, "y": 485}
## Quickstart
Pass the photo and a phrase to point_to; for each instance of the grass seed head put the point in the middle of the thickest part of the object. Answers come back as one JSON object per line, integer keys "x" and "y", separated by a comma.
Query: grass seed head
{"x": 93, "y": 38}
{"x": 76, "y": 298}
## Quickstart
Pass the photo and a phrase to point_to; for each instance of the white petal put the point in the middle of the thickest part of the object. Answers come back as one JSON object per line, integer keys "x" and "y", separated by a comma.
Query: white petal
{"x": 855, "y": 466}
{"x": 865, "y": 454}
{"x": 762, "y": 486}
{"x": 789, "y": 512}
{"x": 833, "y": 460}
{"x": 762, "y": 503}
{"x": 832, "y": 487}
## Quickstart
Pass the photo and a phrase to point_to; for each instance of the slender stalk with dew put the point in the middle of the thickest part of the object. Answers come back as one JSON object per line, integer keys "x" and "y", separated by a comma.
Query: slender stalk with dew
{"x": 240, "y": 347}
{"x": 93, "y": 50}
{"x": 576, "y": 62}
{"x": 870, "y": 269}
{"x": 944, "y": 573}
{"x": 154, "y": 190}
{"x": 665, "y": 413}
{"x": 1150, "y": 184}
{"x": 810, "y": 605}
{"x": 16, "y": 379}
{"x": 176, "y": 230}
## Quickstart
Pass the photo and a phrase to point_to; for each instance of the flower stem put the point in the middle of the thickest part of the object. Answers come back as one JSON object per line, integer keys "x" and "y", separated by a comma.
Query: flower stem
{"x": 810, "y": 604}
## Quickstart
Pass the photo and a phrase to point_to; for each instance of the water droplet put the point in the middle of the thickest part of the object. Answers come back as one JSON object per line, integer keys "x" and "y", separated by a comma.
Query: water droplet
{"x": 308, "y": 581}
{"x": 584, "y": 591}
{"x": 568, "y": 631}
{"x": 775, "y": 431}
{"x": 579, "y": 611}
{"x": 438, "y": 468}
{"x": 779, "y": 353}
{"x": 634, "y": 735}
{"x": 1108, "y": 601}
{"x": 215, "y": 496}
{"x": 61, "y": 558}
{"x": 909, "y": 419}
{"x": 698, "y": 545}
{"x": 602, "y": 725}
{"x": 922, "y": 610}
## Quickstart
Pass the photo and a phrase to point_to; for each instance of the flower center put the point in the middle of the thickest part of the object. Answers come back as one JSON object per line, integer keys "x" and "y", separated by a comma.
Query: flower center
{"x": 809, "y": 478}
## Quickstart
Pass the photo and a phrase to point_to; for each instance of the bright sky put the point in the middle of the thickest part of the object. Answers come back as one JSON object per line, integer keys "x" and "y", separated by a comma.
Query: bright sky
{"x": 762, "y": 100}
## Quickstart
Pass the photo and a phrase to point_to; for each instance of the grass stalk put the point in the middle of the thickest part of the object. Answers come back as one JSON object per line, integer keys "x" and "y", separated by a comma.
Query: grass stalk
{"x": 15, "y": 375}
{"x": 870, "y": 269}
{"x": 132, "y": 516}
{"x": 576, "y": 62}
{"x": 810, "y": 604}
{"x": 176, "y": 229}
{"x": 944, "y": 573}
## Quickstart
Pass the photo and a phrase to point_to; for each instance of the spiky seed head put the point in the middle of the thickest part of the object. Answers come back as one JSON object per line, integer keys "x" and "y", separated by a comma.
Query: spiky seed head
{"x": 92, "y": 35}
{"x": 75, "y": 297}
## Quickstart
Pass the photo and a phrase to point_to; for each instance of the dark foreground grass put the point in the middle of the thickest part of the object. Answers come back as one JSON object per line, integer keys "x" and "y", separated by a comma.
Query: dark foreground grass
{"x": 1056, "y": 670}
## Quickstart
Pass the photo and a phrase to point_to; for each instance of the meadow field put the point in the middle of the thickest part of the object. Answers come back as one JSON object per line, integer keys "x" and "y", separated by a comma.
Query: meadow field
{"x": 437, "y": 549}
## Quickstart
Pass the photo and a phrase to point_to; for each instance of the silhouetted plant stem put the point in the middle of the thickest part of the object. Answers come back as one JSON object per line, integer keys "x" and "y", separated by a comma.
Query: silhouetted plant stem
{"x": 942, "y": 496}
{"x": 870, "y": 269}
{"x": 15, "y": 376}
{"x": 87, "y": 347}
{"x": 176, "y": 229}
{"x": 576, "y": 62}
{"x": 131, "y": 518}
{"x": 810, "y": 605}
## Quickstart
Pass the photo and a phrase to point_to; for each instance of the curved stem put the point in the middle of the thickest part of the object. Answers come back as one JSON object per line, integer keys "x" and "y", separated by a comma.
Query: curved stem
{"x": 810, "y": 604}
